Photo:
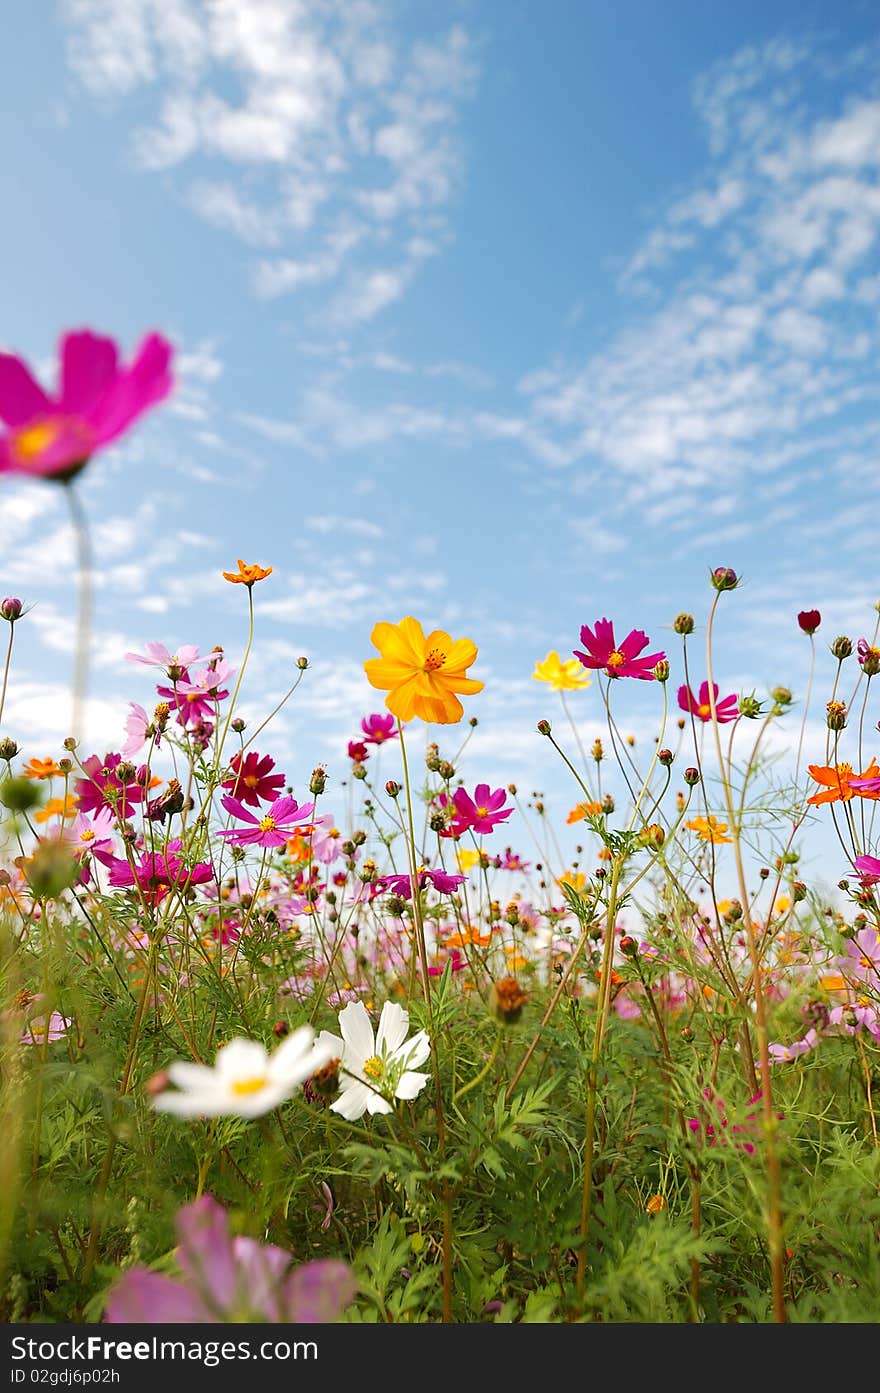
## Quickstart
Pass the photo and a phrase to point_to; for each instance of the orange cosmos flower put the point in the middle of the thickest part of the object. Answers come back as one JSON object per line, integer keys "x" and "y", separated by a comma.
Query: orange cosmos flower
{"x": 421, "y": 674}
{"x": 709, "y": 829}
{"x": 58, "y": 807}
{"x": 467, "y": 936}
{"x": 835, "y": 781}
{"x": 41, "y": 769}
{"x": 247, "y": 575}
{"x": 582, "y": 810}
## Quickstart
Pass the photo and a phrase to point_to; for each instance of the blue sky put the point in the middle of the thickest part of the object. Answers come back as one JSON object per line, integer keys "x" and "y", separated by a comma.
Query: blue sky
{"x": 509, "y": 316}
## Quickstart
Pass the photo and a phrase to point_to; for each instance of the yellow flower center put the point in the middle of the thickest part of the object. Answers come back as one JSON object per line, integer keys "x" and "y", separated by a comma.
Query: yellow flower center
{"x": 38, "y": 1030}
{"x": 334, "y": 832}
{"x": 267, "y": 824}
{"x": 866, "y": 962}
{"x": 33, "y": 440}
{"x": 87, "y": 836}
{"x": 373, "y": 1067}
{"x": 482, "y": 812}
{"x": 434, "y": 659}
{"x": 243, "y": 1088}
{"x": 251, "y": 780}
{"x": 704, "y": 711}
{"x": 616, "y": 659}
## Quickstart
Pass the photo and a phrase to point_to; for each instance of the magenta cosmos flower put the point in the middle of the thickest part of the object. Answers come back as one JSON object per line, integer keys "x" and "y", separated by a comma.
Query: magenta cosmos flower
{"x": 725, "y": 710}
{"x": 230, "y": 1279}
{"x": 157, "y": 873}
{"x": 378, "y": 728}
{"x": 97, "y": 400}
{"x": 274, "y": 828}
{"x": 402, "y": 884}
{"x": 251, "y": 780}
{"x": 480, "y": 812}
{"x": 101, "y": 788}
{"x": 617, "y": 661}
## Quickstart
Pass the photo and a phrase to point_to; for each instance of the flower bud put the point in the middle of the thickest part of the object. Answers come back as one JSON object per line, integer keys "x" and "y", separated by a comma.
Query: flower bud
{"x": 836, "y": 715}
{"x": 781, "y": 695}
{"x": 358, "y": 770}
{"x": 597, "y": 752}
{"x": 683, "y": 624}
{"x": 11, "y": 608}
{"x": 665, "y": 757}
{"x": 686, "y": 1034}
{"x": 446, "y": 770}
{"x": 841, "y": 647}
{"x": 544, "y": 727}
{"x": 8, "y": 748}
{"x": 302, "y": 664}
{"x": 19, "y": 795}
{"x": 661, "y": 670}
{"x": 318, "y": 781}
{"x": 511, "y": 789}
{"x": 750, "y": 707}
{"x": 238, "y": 725}
{"x": 809, "y": 620}
{"x": 280, "y": 1029}
{"x": 392, "y": 788}
{"x": 608, "y": 804}
{"x": 723, "y": 578}
{"x": 51, "y": 870}
{"x": 126, "y": 773}
{"x": 628, "y": 947}
{"x": 691, "y": 776}
{"x": 798, "y": 891}
{"x": 70, "y": 743}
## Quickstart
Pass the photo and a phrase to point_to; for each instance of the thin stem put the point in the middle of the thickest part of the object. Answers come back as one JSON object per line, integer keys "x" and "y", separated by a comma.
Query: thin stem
{"x": 84, "y": 611}
{"x": 6, "y": 667}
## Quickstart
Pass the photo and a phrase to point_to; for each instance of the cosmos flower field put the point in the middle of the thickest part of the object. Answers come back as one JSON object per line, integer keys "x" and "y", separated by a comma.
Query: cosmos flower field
{"x": 267, "y": 1058}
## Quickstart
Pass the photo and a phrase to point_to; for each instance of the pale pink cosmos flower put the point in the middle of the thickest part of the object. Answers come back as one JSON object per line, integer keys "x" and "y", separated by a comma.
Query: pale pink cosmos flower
{"x": 159, "y": 656}
{"x": 230, "y": 1279}
{"x": 40, "y": 1031}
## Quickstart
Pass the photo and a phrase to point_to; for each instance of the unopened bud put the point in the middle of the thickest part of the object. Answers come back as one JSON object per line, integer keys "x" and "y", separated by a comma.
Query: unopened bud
{"x": 318, "y": 781}
{"x": 11, "y": 608}
{"x": 691, "y": 776}
{"x": 841, "y": 647}
{"x": 238, "y": 725}
{"x": 683, "y": 624}
{"x": 8, "y": 748}
{"x": 723, "y": 578}
{"x": 798, "y": 891}
{"x": 126, "y": 772}
{"x": 280, "y": 1029}
{"x": 665, "y": 757}
{"x": 70, "y": 742}
{"x": 392, "y": 788}
{"x": 628, "y": 947}
{"x": 597, "y": 752}
{"x": 608, "y": 804}
{"x": 836, "y": 715}
{"x": 661, "y": 670}
{"x": 302, "y": 664}
{"x": 544, "y": 727}
{"x": 508, "y": 1000}
{"x": 781, "y": 695}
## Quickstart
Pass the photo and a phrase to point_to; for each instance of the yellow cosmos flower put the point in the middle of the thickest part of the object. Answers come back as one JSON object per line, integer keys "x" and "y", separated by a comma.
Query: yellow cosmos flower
{"x": 421, "y": 674}
{"x": 467, "y": 859}
{"x": 563, "y": 676}
{"x": 709, "y": 829}
{"x": 576, "y": 879}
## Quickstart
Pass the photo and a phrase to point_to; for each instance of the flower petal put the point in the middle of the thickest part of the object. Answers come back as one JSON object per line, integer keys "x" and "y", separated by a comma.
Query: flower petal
{"x": 357, "y": 1032}
{"x": 393, "y": 1027}
{"x": 21, "y": 396}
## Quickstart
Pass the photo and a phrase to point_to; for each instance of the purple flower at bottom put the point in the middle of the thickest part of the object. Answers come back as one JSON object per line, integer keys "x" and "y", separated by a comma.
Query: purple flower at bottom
{"x": 230, "y": 1279}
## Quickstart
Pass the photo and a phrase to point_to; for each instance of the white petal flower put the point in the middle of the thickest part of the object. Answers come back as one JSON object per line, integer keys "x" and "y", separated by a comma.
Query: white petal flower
{"x": 376, "y": 1069}
{"x": 246, "y": 1080}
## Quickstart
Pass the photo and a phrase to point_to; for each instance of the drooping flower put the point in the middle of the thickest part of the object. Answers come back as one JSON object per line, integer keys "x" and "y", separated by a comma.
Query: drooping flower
{"x": 480, "y": 812}
{"x": 278, "y": 823}
{"x": 700, "y": 706}
{"x": 251, "y": 780}
{"x": 421, "y": 674}
{"x": 246, "y": 1081}
{"x": 401, "y": 885}
{"x": 840, "y": 784}
{"x": 54, "y": 437}
{"x": 228, "y": 1279}
{"x": 709, "y": 829}
{"x": 378, "y": 728}
{"x": 157, "y": 873}
{"x": 375, "y": 1071}
{"x": 562, "y": 676}
{"x": 617, "y": 660}
{"x": 247, "y": 575}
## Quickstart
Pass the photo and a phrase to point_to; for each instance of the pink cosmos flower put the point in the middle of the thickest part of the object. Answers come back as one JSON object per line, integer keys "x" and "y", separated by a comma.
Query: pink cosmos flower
{"x": 726, "y": 710}
{"x": 378, "y": 728}
{"x": 278, "y": 823}
{"x": 868, "y": 867}
{"x": 158, "y": 872}
{"x": 41, "y": 1031}
{"x": 230, "y": 1279}
{"x": 173, "y": 664}
{"x": 54, "y": 437}
{"x": 622, "y": 661}
{"x": 195, "y": 699}
{"x": 784, "y": 1054}
{"x": 478, "y": 813}
{"x": 862, "y": 955}
{"x": 402, "y": 884}
{"x": 251, "y": 779}
{"x": 326, "y": 841}
{"x": 102, "y": 789}
{"x": 512, "y": 861}
{"x": 139, "y": 728}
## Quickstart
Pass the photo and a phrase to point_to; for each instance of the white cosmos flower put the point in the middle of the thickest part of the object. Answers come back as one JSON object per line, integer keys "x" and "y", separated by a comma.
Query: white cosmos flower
{"x": 372, "y": 1071}
{"x": 246, "y": 1081}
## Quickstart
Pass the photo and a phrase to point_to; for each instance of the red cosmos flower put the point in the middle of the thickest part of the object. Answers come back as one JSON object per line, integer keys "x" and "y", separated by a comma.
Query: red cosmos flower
{"x": 379, "y": 728}
{"x": 725, "y": 710}
{"x": 54, "y": 437}
{"x": 809, "y": 620}
{"x": 250, "y": 780}
{"x": 102, "y": 789}
{"x": 622, "y": 661}
{"x": 358, "y": 751}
